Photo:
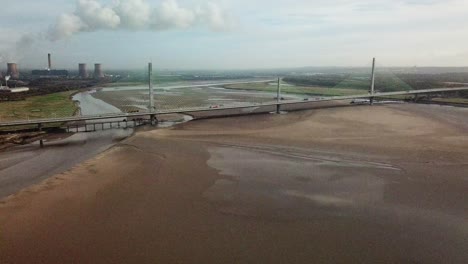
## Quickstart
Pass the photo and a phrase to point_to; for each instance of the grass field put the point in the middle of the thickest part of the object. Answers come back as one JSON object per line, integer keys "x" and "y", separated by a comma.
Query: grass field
{"x": 120, "y": 84}
{"x": 321, "y": 91}
{"x": 451, "y": 100}
{"x": 157, "y": 80}
{"x": 36, "y": 107}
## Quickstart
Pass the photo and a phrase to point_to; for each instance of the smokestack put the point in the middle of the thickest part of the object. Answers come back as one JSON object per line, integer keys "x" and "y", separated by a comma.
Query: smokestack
{"x": 98, "y": 71}
{"x": 82, "y": 71}
{"x": 50, "y": 61}
{"x": 12, "y": 70}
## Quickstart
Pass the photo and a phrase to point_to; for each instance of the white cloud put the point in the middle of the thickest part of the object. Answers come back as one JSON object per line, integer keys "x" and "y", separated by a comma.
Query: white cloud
{"x": 216, "y": 17}
{"x": 170, "y": 15}
{"x": 91, "y": 15}
{"x": 67, "y": 25}
{"x": 134, "y": 14}
{"x": 96, "y": 16}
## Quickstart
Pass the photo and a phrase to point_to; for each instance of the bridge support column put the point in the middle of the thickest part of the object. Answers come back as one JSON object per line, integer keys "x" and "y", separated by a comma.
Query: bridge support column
{"x": 41, "y": 141}
{"x": 154, "y": 119}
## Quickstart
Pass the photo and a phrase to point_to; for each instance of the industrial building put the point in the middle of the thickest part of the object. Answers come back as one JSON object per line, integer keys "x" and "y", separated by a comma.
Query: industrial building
{"x": 49, "y": 72}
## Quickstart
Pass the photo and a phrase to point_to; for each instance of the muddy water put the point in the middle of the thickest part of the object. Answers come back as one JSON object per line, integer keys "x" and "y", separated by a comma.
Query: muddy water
{"x": 279, "y": 183}
{"x": 24, "y": 166}
{"x": 272, "y": 179}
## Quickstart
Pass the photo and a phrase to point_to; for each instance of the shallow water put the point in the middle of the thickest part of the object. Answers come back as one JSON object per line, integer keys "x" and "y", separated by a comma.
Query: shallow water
{"x": 89, "y": 105}
{"x": 111, "y": 100}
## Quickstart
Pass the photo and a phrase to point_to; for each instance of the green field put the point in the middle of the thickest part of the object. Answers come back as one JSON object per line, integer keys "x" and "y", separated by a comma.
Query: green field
{"x": 36, "y": 107}
{"x": 123, "y": 84}
{"x": 384, "y": 82}
{"x": 141, "y": 80}
{"x": 306, "y": 90}
{"x": 451, "y": 100}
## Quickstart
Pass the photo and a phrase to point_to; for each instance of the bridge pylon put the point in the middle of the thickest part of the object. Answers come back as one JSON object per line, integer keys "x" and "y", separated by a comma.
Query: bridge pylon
{"x": 152, "y": 108}
{"x": 372, "y": 86}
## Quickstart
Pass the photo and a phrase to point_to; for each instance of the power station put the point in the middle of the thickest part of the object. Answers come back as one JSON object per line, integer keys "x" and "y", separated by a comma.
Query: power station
{"x": 49, "y": 72}
{"x": 46, "y": 80}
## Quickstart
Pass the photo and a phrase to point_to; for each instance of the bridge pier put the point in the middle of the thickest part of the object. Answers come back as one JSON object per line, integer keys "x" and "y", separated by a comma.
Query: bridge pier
{"x": 153, "y": 119}
{"x": 278, "y": 108}
{"x": 41, "y": 141}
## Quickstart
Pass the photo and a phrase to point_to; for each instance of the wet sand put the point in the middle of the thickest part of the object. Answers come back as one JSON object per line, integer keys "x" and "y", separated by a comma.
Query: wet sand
{"x": 382, "y": 184}
{"x": 26, "y": 165}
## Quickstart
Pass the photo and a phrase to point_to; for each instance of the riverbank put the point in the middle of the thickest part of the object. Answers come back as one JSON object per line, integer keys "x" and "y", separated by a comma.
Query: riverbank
{"x": 382, "y": 184}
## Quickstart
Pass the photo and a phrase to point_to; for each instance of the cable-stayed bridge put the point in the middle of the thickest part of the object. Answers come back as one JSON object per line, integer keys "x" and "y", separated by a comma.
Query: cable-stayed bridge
{"x": 277, "y": 103}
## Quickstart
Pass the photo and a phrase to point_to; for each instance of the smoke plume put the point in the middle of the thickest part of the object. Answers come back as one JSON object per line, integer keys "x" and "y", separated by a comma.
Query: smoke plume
{"x": 91, "y": 15}
{"x": 14, "y": 52}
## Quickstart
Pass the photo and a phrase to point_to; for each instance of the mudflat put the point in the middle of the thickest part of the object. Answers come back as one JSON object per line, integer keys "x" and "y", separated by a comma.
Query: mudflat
{"x": 380, "y": 184}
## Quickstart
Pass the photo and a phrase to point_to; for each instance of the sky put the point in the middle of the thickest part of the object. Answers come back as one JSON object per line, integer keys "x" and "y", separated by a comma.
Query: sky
{"x": 234, "y": 34}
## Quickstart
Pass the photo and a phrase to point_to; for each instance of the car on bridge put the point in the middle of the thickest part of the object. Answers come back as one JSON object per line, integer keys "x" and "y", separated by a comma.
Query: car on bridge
{"x": 360, "y": 101}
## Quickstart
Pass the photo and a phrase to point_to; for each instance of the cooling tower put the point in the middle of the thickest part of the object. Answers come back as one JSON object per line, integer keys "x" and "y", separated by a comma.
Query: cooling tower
{"x": 12, "y": 70}
{"x": 82, "y": 71}
{"x": 98, "y": 71}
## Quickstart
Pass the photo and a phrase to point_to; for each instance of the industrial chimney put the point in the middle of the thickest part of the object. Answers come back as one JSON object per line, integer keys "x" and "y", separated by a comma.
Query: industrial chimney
{"x": 50, "y": 61}
{"x": 98, "y": 71}
{"x": 12, "y": 70}
{"x": 82, "y": 71}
